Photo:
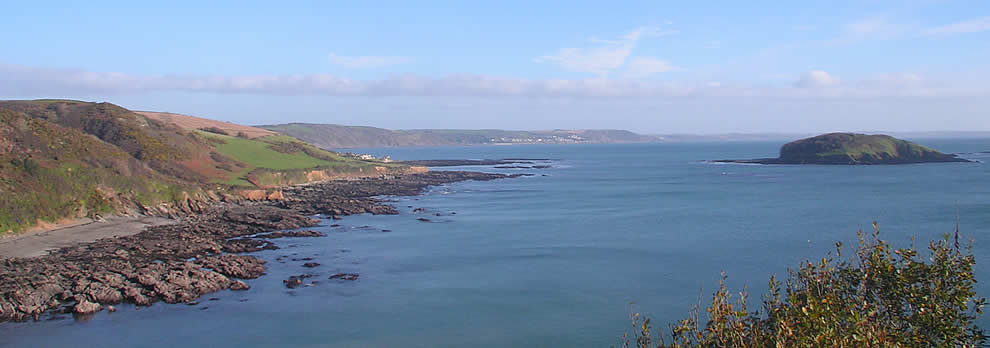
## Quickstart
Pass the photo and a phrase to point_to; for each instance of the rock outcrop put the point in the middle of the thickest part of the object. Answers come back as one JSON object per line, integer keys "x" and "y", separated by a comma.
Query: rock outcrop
{"x": 854, "y": 149}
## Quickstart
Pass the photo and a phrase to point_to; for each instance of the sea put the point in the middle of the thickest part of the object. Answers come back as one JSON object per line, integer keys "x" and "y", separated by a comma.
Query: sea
{"x": 560, "y": 258}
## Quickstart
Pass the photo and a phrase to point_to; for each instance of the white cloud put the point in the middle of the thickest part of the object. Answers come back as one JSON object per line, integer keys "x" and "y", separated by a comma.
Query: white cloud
{"x": 817, "y": 79}
{"x": 598, "y": 61}
{"x": 602, "y": 60}
{"x": 643, "y": 67}
{"x": 20, "y": 81}
{"x": 366, "y": 62}
{"x": 965, "y": 27}
{"x": 871, "y": 28}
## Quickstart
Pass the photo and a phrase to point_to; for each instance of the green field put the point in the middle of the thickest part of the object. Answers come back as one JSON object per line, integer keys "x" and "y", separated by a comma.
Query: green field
{"x": 258, "y": 153}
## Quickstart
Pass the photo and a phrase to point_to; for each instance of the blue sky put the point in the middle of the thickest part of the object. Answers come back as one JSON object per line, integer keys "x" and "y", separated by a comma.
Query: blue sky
{"x": 649, "y": 66}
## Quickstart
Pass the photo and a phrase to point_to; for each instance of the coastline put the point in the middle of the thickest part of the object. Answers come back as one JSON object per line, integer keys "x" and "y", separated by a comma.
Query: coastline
{"x": 37, "y": 242}
{"x": 197, "y": 255}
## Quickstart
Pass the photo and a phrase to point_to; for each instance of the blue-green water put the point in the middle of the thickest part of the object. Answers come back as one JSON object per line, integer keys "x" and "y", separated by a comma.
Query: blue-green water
{"x": 555, "y": 260}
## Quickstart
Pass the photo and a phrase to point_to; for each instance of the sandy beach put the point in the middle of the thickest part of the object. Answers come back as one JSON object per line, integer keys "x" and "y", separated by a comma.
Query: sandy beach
{"x": 37, "y": 243}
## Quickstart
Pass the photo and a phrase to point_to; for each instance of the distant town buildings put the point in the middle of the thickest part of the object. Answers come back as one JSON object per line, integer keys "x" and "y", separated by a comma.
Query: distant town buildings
{"x": 553, "y": 139}
{"x": 367, "y": 157}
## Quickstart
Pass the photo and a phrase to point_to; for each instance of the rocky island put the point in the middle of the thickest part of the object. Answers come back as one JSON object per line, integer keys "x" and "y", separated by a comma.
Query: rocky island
{"x": 853, "y": 149}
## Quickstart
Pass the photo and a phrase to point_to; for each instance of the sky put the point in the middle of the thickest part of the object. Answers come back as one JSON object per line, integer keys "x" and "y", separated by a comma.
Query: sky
{"x": 654, "y": 67}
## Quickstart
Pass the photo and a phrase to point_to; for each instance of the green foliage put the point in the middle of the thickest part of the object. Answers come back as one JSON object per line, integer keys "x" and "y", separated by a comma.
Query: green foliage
{"x": 850, "y": 148}
{"x": 259, "y": 154}
{"x": 69, "y": 191}
{"x": 279, "y": 153}
{"x": 28, "y": 165}
{"x": 53, "y": 172}
{"x": 878, "y": 297}
{"x": 214, "y": 130}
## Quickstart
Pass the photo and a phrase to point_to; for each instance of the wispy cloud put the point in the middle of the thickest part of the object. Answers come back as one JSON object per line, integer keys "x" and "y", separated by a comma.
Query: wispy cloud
{"x": 884, "y": 28}
{"x": 904, "y": 80}
{"x": 871, "y": 28}
{"x": 18, "y": 80}
{"x": 643, "y": 67}
{"x": 603, "y": 59}
{"x": 964, "y": 27}
{"x": 817, "y": 79}
{"x": 366, "y": 62}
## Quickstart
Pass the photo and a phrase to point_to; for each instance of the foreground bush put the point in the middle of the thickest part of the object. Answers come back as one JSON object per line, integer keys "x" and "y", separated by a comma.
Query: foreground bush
{"x": 877, "y": 297}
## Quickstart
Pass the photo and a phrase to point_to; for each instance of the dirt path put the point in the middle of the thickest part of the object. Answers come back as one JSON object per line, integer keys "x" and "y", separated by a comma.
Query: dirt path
{"x": 38, "y": 242}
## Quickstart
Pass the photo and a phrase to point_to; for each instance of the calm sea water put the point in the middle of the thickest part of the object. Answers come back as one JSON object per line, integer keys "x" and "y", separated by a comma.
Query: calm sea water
{"x": 556, "y": 260}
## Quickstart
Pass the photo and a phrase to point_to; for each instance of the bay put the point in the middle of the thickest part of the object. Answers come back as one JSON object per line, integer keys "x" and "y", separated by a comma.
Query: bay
{"x": 556, "y": 259}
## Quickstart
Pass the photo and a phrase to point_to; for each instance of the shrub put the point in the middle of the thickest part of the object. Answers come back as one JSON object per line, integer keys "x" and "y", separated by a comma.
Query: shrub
{"x": 214, "y": 130}
{"x": 242, "y": 135}
{"x": 878, "y": 297}
{"x": 28, "y": 165}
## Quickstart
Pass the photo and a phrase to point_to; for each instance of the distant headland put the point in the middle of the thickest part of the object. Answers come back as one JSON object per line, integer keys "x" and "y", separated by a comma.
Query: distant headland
{"x": 853, "y": 149}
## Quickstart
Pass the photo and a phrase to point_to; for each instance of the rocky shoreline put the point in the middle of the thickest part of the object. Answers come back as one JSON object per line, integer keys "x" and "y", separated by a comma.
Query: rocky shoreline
{"x": 462, "y": 162}
{"x": 178, "y": 263}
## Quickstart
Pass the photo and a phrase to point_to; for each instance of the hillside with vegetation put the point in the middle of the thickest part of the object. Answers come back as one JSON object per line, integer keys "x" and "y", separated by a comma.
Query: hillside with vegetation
{"x": 63, "y": 159}
{"x": 193, "y": 122}
{"x": 851, "y": 149}
{"x": 330, "y": 136}
{"x": 871, "y": 296}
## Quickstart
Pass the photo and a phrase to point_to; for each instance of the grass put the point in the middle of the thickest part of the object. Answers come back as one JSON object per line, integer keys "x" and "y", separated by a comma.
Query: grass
{"x": 860, "y": 145}
{"x": 49, "y": 101}
{"x": 259, "y": 154}
{"x": 849, "y": 148}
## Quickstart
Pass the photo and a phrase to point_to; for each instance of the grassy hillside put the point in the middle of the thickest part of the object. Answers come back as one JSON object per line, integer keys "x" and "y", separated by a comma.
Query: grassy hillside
{"x": 62, "y": 159}
{"x": 49, "y": 172}
{"x": 335, "y": 136}
{"x": 193, "y": 122}
{"x": 280, "y": 153}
